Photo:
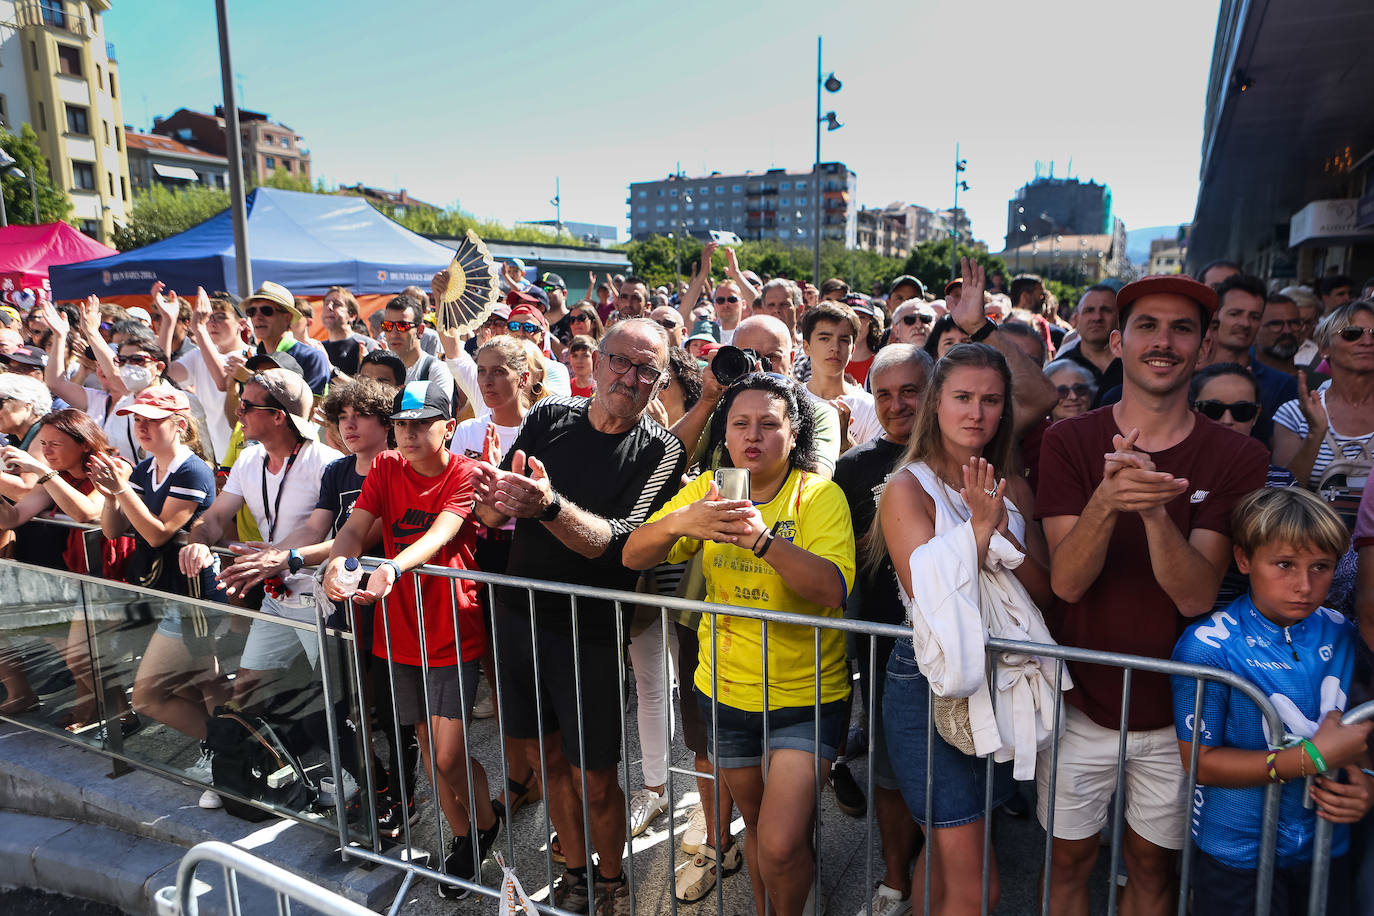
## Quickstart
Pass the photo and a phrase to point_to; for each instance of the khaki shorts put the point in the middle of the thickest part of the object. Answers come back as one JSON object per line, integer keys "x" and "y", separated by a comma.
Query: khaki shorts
{"x": 1156, "y": 783}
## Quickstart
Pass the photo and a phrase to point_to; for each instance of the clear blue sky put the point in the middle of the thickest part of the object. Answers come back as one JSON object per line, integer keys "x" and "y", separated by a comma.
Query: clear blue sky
{"x": 484, "y": 105}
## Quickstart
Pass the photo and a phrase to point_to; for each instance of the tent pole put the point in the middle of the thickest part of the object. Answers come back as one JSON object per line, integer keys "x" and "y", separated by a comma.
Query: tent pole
{"x": 234, "y": 151}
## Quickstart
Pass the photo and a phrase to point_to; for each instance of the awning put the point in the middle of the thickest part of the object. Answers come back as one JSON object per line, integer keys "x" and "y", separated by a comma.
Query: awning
{"x": 178, "y": 172}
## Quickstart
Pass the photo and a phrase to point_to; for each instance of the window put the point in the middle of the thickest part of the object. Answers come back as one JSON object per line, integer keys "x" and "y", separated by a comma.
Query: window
{"x": 786, "y": 186}
{"x": 119, "y": 138}
{"x": 33, "y": 53}
{"x": 78, "y": 120}
{"x": 642, "y": 208}
{"x": 784, "y": 218}
{"x": 99, "y": 76}
{"x": 658, "y": 208}
{"x": 53, "y": 13}
{"x": 672, "y": 208}
{"x": 704, "y": 190}
{"x": 691, "y": 206}
{"x": 269, "y": 162}
{"x": 42, "y": 119}
{"x": 736, "y": 204}
{"x": 123, "y": 188}
{"x": 801, "y": 186}
{"x": 672, "y": 192}
{"x": 106, "y": 125}
{"x": 83, "y": 176}
{"x": 114, "y": 93}
{"x": 90, "y": 227}
{"x": 720, "y": 205}
{"x": 720, "y": 189}
{"x": 286, "y": 163}
{"x": 285, "y": 142}
{"x": 641, "y": 194}
{"x": 659, "y": 192}
{"x": 737, "y": 188}
{"x": 690, "y": 222}
{"x": 110, "y": 175}
{"x": 801, "y": 201}
{"x": 785, "y": 202}
{"x": 658, "y": 223}
{"x": 69, "y": 60}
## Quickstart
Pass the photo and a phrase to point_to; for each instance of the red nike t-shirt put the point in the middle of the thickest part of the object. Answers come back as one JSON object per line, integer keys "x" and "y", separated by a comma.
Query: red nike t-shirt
{"x": 407, "y": 504}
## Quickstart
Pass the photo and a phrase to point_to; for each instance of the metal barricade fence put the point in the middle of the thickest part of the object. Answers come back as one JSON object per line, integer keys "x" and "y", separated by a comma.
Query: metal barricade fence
{"x": 240, "y": 867}
{"x": 769, "y": 621}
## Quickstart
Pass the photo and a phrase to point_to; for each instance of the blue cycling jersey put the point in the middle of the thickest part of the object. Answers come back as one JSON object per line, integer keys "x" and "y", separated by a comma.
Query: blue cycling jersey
{"x": 1305, "y": 670}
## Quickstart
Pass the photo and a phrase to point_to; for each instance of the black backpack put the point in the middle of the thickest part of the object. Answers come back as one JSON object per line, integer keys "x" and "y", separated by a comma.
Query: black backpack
{"x": 247, "y": 753}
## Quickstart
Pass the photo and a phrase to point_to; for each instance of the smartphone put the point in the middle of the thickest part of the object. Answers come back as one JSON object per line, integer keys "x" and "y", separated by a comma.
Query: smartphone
{"x": 733, "y": 483}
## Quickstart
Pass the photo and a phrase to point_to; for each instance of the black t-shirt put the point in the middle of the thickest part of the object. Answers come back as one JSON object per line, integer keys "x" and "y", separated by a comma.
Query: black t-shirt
{"x": 339, "y": 489}
{"x": 345, "y": 355}
{"x": 861, "y": 473}
{"x": 622, "y": 477}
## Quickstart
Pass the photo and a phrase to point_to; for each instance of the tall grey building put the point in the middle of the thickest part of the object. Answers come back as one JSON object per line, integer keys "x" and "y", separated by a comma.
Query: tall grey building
{"x": 777, "y": 204}
{"x": 1058, "y": 206}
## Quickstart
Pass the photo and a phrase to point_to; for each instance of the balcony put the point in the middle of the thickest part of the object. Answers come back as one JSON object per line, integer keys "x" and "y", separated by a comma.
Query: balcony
{"x": 50, "y": 14}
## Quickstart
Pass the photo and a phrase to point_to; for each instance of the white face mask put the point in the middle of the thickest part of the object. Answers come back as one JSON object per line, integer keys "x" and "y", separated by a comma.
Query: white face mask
{"x": 136, "y": 378}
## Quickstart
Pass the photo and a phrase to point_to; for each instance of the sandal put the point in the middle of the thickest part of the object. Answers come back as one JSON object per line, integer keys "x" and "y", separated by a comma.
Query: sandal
{"x": 556, "y": 850}
{"x": 518, "y": 794}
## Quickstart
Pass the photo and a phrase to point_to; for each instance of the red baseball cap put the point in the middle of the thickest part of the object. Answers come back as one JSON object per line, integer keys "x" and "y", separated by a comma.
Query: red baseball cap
{"x": 517, "y": 298}
{"x": 157, "y": 403}
{"x": 954, "y": 284}
{"x": 526, "y": 312}
{"x": 1169, "y": 284}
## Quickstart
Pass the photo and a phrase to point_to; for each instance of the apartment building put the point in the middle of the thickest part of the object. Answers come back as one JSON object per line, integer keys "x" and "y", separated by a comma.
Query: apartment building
{"x": 268, "y": 147}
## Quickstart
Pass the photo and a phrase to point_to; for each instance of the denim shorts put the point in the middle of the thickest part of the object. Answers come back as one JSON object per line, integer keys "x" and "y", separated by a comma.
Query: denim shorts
{"x": 960, "y": 781}
{"x": 741, "y": 733}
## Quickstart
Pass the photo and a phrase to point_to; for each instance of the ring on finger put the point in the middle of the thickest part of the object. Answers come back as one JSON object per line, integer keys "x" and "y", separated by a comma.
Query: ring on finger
{"x": 991, "y": 493}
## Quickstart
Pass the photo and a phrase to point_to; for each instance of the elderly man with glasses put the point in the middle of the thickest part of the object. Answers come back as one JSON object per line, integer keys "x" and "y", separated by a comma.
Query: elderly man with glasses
{"x": 270, "y": 312}
{"x": 571, "y": 526}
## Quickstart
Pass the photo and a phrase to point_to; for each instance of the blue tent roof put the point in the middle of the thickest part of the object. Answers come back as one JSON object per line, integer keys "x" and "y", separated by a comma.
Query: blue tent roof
{"x": 306, "y": 242}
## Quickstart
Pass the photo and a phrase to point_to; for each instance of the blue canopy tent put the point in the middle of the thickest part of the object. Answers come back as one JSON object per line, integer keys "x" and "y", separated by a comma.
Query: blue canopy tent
{"x": 306, "y": 242}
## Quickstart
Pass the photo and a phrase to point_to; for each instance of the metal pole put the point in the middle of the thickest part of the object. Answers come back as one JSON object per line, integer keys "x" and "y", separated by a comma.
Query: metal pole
{"x": 234, "y": 150}
{"x": 816, "y": 230}
{"x": 33, "y": 189}
{"x": 954, "y": 216}
{"x": 4, "y": 218}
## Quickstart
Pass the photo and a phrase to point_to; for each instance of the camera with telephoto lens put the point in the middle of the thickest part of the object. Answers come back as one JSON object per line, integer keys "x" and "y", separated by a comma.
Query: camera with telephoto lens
{"x": 730, "y": 364}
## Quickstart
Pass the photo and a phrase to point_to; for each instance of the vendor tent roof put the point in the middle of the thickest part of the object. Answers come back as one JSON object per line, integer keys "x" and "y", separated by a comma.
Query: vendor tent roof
{"x": 306, "y": 242}
{"x": 27, "y": 252}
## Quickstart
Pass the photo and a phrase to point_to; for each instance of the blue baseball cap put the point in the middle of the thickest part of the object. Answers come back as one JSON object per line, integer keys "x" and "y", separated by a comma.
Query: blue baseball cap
{"x": 422, "y": 401}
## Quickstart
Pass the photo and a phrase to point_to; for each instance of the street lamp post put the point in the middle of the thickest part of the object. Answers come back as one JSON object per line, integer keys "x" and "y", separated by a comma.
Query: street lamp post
{"x": 960, "y": 166}
{"x": 829, "y": 84}
{"x": 234, "y": 150}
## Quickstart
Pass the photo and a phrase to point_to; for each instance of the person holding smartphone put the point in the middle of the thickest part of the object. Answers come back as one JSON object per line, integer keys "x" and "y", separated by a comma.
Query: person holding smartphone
{"x": 788, "y": 546}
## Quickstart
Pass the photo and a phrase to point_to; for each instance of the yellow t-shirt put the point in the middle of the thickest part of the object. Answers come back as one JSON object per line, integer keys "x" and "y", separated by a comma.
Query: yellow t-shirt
{"x": 813, "y": 515}
{"x": 248, "y": 528}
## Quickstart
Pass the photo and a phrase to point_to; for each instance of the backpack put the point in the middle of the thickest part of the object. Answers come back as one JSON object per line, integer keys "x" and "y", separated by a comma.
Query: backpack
{"x": 251, "y": 761}
{"x": 1342, "y": 482}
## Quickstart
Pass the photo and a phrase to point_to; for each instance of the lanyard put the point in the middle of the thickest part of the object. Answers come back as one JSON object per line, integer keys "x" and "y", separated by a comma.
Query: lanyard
{"x": 281, "y": 487}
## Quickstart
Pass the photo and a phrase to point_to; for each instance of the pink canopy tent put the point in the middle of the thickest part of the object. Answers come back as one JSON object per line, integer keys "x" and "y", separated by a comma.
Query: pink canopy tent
{"x": 26, "y": 253}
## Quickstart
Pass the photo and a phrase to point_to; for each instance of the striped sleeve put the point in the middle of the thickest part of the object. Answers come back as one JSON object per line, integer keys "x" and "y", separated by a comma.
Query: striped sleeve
{"x": 666, "y": 461}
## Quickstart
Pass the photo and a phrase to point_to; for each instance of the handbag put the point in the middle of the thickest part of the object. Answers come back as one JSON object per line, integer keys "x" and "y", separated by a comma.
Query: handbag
{"x": 251, "y": 761}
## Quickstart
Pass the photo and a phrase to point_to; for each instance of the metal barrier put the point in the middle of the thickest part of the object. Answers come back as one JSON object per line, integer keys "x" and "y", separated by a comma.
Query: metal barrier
{"x": 238, "y": 866}
{"x": 360, "y": 839}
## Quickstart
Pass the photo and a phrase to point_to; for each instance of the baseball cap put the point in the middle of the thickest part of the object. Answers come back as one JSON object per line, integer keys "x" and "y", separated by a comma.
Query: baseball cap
{"x": 138, "y": 313}
{"x": 500, "y": 311}
{"x": 9, "y": 316}
{"x": 953, "y": 284}
{"x": 907, "y": 278}
{"x": 552, "y": 281}
{"x": 157, "y": 402}
{"x": 526, "y": 311}
{"x": 277, "y": 295}
{"x": 860, "y": 305}
{"x": 1168, "y": 284}
{"x": 32, "y": 357}
{"x": 422, "y": 400}
{"x": 292, "y": 395}
{"x": 279, "y": 359}
{"x": 534, "y": 296}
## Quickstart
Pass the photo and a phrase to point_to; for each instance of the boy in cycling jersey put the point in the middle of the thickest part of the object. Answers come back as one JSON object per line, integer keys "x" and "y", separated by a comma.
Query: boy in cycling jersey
{"x": 1302, "y": 656}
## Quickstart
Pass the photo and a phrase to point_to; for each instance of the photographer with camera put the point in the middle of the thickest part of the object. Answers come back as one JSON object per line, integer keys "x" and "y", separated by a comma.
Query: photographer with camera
{"x": 762, "y": 343}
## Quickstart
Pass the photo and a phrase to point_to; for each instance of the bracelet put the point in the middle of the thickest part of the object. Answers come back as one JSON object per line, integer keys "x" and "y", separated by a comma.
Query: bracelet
{"x": 45, "y": 478}
{"x": 766, "y": 544}
{"x": 120, "y": 492}
{"x": 1302, "y": 765}
{"x": 755, "y": 546}
{"x": 395, "y": 567}
{"x": 1315, "y": 754}
{"x": 1269, "y": 765}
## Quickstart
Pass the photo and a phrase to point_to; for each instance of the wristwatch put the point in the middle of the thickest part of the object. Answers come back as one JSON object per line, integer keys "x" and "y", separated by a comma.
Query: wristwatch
{"x": 553, "y": 509}
{"x": 982, "y": 333}
{"x": 294, "y": 561}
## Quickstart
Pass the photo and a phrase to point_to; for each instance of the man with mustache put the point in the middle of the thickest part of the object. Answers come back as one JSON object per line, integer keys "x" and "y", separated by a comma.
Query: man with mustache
{"x": 1240, "y": 314}
{"x": 1280, "y": 330}
{"x": 1138, "y": 542}
{"x": 1095, "y": 320}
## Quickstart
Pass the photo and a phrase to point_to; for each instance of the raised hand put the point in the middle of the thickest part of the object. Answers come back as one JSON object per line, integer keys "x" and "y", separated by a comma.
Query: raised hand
{"x": 55, "y": 319}
{"x": 168, "y": 304}
{"x": 109, "y": 473}
{"x": 200, "y": 312}
{"x": 984, "y": 495}
{"x": 968, "y": 313}
{"x": 707, "y": 251}
{"x": 491, "y": 445}
{"x": 1318, "y": 422}
{"x": 438, "y": 284}
{"x": 89, "y": 316}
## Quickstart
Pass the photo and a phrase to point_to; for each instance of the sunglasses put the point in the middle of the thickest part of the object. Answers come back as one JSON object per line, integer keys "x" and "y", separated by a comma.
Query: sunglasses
{"x": 666, "y": 324}
{"x": 245, "y": 406}
{"x": 620, "y": 365}
{"x": 1241, "y": 411}
{"x": 1078, "y": 391}
{"x": 721, "y": 300}
{"x": 909, "y": 320}
{"x": 1353, "y": 332}
{"x": 579, "y": 317}
{"x": 135, "y": 359}
{"x": 529, "y": 327}
{"x": 399, "y": 325}
{"x": 266, "y": 311}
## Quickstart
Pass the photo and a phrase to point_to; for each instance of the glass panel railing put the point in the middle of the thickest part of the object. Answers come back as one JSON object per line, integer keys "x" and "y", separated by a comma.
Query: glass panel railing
{"x": 225, "y": 697}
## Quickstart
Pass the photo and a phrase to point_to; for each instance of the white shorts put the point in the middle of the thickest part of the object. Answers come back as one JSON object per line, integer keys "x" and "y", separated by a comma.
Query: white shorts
{"x": 272, "y": 646}
{"x": 1156, "y": 783}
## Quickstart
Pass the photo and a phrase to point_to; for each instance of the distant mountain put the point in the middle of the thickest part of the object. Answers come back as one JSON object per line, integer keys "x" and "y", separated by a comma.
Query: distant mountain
{"x": 1138, "y": 241}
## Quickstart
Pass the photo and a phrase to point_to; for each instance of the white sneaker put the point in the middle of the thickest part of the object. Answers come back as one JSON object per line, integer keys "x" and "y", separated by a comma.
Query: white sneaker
{"x": 645, "y": 805}
{"x": 201, "y": 771}
{"x": 887, "y": 902}
{"x": 697, "y": 876}
{"x": 695, "y": 834}
{"x": 485, "y": 708}
{"x": 210, "y": 800}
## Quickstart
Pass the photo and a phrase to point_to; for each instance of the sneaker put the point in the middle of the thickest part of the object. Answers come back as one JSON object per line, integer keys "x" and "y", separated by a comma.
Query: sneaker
{"x": 612, "y": 897}
{"x": 485, "y": 708}
{"x": 458, "y": 862}
{"x": 569, "y": 891}
{"x": 697, "y": 877}
{"x": 848, "y": 796}
{"x": 645, "y": 806}
{"x": 210, "y": 800}
{"x": 202, "y": 771}
{"x": 391, "y": 817}
{"x": 887, "y": 902}
{"x": 695, "y": 834}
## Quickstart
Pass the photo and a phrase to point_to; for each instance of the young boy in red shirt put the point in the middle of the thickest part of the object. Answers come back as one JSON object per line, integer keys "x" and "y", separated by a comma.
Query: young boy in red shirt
{"x": 422, "y": 494}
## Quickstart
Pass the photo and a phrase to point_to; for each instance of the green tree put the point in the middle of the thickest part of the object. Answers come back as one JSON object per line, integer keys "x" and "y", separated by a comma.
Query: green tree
{"x": 53, "y": 202}
{"x": 932, "y": 263}
{"x": 654, "y": 258}
{"x": 160, "y": 212}
{"x": 454, "y": 222}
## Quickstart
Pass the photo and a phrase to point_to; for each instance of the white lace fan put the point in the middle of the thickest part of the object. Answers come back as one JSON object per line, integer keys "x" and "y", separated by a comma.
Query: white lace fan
{"x": 473, "y": 288}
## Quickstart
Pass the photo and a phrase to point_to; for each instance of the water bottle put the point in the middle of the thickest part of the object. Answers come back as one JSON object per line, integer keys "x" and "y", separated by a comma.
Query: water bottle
{"x": 351, "y": 576}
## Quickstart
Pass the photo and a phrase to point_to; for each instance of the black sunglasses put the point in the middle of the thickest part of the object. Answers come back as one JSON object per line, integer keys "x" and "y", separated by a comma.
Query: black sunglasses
{"x": 721, "y": 300}
{"x": 265, "y": 311}
{"x": 1353, "y": 332}
{"x": 1241, "y": 411}
{"x": 137, "y": 359}
{"x": 1079, "y": 390}
{"x": 922, "y": 318}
